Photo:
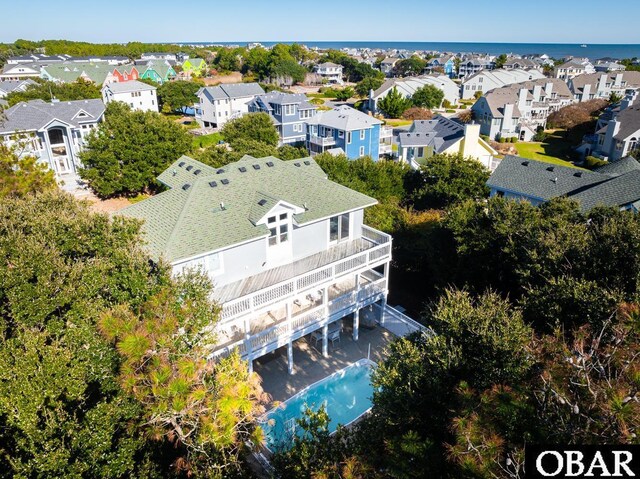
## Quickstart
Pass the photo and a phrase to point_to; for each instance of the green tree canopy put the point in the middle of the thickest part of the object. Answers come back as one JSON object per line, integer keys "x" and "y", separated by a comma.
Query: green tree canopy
{"x": 21, "y": 175}
{"x": 175, "y": 95}
{"x": 79, "y": 90}
{"x": 428, "y": 96}
{"x": 254, "y": 126}
{"x": 130, "y": 149}
{"x": 367, "y": 84}
{"x": 393, "y": 105}
{"x": 410, "y": 66}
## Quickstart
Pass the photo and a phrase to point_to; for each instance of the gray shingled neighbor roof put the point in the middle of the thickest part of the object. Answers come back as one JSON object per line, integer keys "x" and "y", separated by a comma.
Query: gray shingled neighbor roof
{"x": 281, "y": 98}
{"x": 439, "y": 133}
{"x": 231, "y": 90}
{"x": 129, "y": 86}
{"x": 631, "y": 79}
{"x": 629, "y": 119}
{"x": 187, "y": 221}
{"x": 344, "y": 118}
{"x": 8, "y": 86}
{"x": 35, "y": 114}
{"x": 544, "y": 181}
{"x": 620, "y": 167}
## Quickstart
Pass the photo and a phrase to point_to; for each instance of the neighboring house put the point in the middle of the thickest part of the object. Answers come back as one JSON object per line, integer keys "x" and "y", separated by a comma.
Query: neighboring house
{"x": 357, "y": 133}
{"x": 487, "y": 80}
{"x": 331, "y": 72}
{"x": 537, "y": 182}
{"x": 194, "y": 67}
{"x": 445, "y": 64}
{"x": 620, "y": 135}
{"x": 98, "y": 73}
{"x": 408, "y": 86}
{"x": 13, "y": 72}
{"x": 387, "y": 65}
{"x": 174, "y": 57}
{"x": 157, "y": 71}
{"x": 53, "y": 132}
{"x": 473, "y": 65}
{"x": 34, "y": 58}
{"x": 521, "y": 64}
{"x": 138, "y": 95}
{"x": 289, "y": 112}
{"x": 609, "y": 66}
{"x": 111, "y": 60}
{"x": 602, "y": 85}
{"x": 219, "y": 104}
{"x": 125, "y": 73}
{"x": 7, "y": 87}
{"x": 441, "y": 135}
{"x": 572, "y": 68}
{"x": 518, "y": 110}
{"x": 285, "y": 247}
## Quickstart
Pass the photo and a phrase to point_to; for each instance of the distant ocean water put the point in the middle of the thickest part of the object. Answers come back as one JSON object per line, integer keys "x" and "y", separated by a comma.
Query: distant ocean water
{"x": 555, "y": 50}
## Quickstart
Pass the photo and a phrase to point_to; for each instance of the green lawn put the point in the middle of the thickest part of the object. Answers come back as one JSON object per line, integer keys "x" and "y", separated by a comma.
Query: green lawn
{"x": 393, "y": 122}
{"x": 555, "y": 149}
{"x": 206, "y": 140}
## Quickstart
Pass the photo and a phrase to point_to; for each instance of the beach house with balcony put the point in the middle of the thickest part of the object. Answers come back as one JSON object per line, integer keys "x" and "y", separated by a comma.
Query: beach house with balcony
{"x": 331, "y": 72}
{"x": 52, "y": 132}
{"x": 355, "y": 133}
{"x": 288, "y": 111}
{"x": 139, "y": 96}
{"x": 219, "y": 104}
{"x": 285, "y": 247}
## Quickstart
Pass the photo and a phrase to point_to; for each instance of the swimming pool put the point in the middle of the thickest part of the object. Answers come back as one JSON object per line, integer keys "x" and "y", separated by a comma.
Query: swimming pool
{"x": 346, "y": 395}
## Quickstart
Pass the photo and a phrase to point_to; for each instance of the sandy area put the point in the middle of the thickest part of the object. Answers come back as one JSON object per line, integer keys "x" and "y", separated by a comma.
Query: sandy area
{"x": 107, "y": 206}
{"x": 234, "y": 77}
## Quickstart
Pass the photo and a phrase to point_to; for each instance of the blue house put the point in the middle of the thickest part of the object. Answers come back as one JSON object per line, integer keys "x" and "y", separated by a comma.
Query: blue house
{"x": 289, "y": 113}
{"x": 446, "y": 64}
{"x": 350, "y": 130}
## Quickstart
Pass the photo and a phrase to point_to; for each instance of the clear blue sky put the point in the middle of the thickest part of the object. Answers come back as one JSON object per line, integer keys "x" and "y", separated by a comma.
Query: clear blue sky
{"x": 542, "y": 21}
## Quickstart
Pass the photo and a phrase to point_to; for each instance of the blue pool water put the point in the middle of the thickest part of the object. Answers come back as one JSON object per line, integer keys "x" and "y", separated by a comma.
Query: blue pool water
{"x": 346, "y": 395}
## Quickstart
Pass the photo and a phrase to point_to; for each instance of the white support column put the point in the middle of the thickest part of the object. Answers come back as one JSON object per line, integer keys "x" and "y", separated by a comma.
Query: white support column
{"x": 356, "y": 324}
{"x": 357, "y": 290}
{"x": 250, "y": 361}
{"x": 383, "y": 305}
{"x": 290, "y": 356}
{"x": 325, "y": 341}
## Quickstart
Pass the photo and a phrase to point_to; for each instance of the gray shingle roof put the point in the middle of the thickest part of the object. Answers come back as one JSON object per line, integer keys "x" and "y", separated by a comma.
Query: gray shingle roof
{"x": 629, "y": 119}
{"x": 344, "y": 118}
{"x": 620, "y": 167}
{"x": 9, "y": 86}
{"x": 231, "y": 90}
{"x": 184, "y": 222}
{"x": 128, "y": 86}
{"x": 439, "y": 133}
{"x": 35, "y": 114}
{"x": 544, "y": 181}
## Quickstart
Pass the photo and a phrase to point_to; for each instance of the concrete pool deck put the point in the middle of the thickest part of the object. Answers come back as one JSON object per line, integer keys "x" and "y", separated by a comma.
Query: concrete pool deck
{"x": 309, "y": 364}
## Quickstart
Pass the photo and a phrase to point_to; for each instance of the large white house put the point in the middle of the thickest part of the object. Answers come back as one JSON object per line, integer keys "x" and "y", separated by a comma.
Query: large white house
{"x": 487, "y": 80}
{"x": 138, "y": 95}
{"x": 408, "y": 86}
{"x": 602, "y": 85}
{"x": 219, "y": 104}
{"x": 518, "y": 110}
{"x": 53, "y": 132}
{"x": 7, "y": 87}
{"x": 286, "y": 249}
{"x": 440, "y": 135}
{"x": 331, "y": 72}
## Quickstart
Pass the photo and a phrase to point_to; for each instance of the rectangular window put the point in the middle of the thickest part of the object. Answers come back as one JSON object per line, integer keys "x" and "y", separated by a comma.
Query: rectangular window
{"x": 348, "y": 137}
{"x": 344, "y": 226}
{"x": 289, "y": 110}
{"x": 272, "y": 219}
{"x": 339, "y": 228}
{"x": 340, "y": 134}
{"x": 334, "y": 226}
{"x": 362, "y": 151}
{"x": 420, "y": 152}
{"x": 273, "y": 238}
{"x": 362, "y": 134}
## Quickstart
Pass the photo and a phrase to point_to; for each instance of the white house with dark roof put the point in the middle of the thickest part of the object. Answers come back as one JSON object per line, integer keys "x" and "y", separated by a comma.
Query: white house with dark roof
{"x": 288, "y": 111}
{"x": 52, "y": 132}
{"x": 537, "y": 182}
{"x": 138, "y": 95}
{"x": 518, "y": 110}
{"x": 286, "y": 249}
{"x": 572, "y": 68}
{"x": 440, "y": 135}
{"x": 20, "y": 71}
{"x": 618, "y": 136}
{"x": 331, "y": 72}
{"x": 474, "y": 64}
{"x": 487, "y": 80}
{"x": 219, "y": 104}
{"x": 408, "y": 86}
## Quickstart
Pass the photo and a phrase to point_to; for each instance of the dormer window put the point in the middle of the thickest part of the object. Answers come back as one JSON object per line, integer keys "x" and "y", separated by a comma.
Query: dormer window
{"x": 278, "y": 229}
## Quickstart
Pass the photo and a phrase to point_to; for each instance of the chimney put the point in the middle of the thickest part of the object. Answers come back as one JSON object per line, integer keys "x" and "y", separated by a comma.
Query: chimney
{"x": 603, "y": 81}
{"x": 548, "y": 89}
{"x": 508, "y": 115}
{"x": 522, "y": 97}
{"x": 537, "y": 89}
{"x": 618, "y": 81}
{"x": 586, "y": 91}
{"x": 471, "y": 137}
{"x": 613, "y": 127}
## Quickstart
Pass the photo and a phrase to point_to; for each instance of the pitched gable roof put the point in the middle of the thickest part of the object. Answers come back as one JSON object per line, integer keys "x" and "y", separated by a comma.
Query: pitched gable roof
{"x": 344, "y": 118}
{"x": 187, "y": 221}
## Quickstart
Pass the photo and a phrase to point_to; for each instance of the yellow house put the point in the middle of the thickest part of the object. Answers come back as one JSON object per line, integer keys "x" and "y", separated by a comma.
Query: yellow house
{"x": 441, "y": 135}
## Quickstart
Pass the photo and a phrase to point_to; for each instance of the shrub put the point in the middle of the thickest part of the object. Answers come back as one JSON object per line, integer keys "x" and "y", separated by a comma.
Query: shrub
{"x": 416, "y": 113}
{"x": 446, "y": 104}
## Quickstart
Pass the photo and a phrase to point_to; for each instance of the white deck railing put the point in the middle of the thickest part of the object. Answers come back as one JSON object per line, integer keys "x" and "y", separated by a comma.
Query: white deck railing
{"x": 289, "y": 330}
{"x": 325, "y": 274}
{"x": 399, "y": 323}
